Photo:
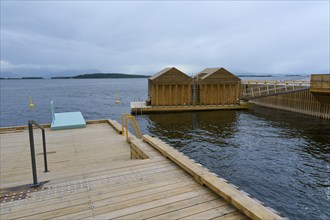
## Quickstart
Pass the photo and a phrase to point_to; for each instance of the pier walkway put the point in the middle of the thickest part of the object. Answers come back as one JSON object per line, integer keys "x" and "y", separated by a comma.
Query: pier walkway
{"x": 260, "y": 89}
{"x": 93, "y": 175}
{"x": 138, "y": 108}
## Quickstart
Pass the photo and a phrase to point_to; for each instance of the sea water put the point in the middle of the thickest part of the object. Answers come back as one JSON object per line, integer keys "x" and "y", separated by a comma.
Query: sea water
{"x": 281, "y": 158}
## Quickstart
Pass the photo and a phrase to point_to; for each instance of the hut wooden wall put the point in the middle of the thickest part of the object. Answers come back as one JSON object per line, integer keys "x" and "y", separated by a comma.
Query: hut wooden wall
{"x": 219, "y": 88}
{"x": 172, "y": 88}
{"x": 170, "y": 95}
{"x": 302, "y": 102}
{"x": 219, "y": 94}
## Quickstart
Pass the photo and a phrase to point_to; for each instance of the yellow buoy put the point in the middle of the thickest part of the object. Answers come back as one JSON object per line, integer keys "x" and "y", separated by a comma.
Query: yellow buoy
{"x": 117, "y": 100}
{"x": 31, "y": 104}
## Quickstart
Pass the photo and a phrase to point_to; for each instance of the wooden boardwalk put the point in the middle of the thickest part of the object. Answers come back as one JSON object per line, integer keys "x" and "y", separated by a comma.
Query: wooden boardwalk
{"x": 92, "y": 176}
{"x": 138, "y": 108}
{"x": 259, "y": 89}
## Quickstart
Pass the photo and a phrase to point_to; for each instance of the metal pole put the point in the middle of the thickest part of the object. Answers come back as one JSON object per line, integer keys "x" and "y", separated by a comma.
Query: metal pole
{"x": 44, "y": 148}
{"x": 33, "y": 157}
{"x": 126, "y": 127}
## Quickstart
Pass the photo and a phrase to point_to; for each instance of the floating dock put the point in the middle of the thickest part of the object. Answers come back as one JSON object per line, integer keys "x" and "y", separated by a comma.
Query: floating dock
{"x": 96, "y": 173}
{"x": 142, "y": 108}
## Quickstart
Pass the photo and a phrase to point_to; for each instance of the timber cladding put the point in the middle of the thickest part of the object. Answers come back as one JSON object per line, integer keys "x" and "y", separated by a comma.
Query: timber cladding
{"x": 217, "y": 86}
{"x": 170, "y": 87}
{"x": 304, "y": 102}
{"x": 320, "y": 83}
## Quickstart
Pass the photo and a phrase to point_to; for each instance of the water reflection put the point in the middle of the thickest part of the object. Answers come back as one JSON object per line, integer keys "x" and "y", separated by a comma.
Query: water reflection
{"x": 194, "y": 125}
{"x": 314, "y": 132}
{"x": 281, "y": 158}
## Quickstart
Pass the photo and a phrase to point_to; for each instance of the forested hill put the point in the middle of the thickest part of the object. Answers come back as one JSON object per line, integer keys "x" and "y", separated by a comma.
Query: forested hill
{"x": 108, "y": 75}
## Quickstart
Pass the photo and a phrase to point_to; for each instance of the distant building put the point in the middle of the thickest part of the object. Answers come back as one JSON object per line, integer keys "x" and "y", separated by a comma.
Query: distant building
{"x": 170, "y": 87}
{"x": 216, "y": 86}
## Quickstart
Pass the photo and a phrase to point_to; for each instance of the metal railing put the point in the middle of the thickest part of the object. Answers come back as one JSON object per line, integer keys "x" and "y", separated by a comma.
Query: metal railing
{"x": 124, "y": 125}
{"x": 32, "y": 149}
{"x": 264, "y": 90}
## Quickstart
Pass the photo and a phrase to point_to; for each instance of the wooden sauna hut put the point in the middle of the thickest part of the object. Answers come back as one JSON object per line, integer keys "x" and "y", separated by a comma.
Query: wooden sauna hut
{"x": 216, "y": 86}
{"x": 169, "y": 87}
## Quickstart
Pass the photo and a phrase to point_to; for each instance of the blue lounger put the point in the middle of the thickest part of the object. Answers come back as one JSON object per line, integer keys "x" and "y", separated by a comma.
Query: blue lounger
{"x": 66, "y": 120}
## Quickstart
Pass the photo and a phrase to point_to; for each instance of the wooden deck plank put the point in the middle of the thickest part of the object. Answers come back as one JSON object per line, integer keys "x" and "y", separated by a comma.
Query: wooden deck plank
{"x": 59, "y": 212}
{"x": 92, "y": 176}
{"x": 212, "y": 213}
{"x": 55, "y": 207}
{"x": 145, "y": 203}
{"x": 171, "y": 207}
{"x": 107, "y": 191}
{"x": 76, "y": 215}
{"x": 244, "y": 203}
{"x": 177, "y": 214}
{"x": 232, "y": 216}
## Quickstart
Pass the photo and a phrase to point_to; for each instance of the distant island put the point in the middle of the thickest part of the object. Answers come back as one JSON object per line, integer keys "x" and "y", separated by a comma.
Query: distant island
{"x": 103, "y": 76}
{"x": 31, "y": 77}
{"x": 254, "y": 75}
{"x": 12, "y": 78}
{"x": 88, "y": 76}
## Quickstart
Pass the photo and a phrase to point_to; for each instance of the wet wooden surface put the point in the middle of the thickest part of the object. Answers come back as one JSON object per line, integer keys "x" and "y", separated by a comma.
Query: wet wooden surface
{"x": 92, "y": 176}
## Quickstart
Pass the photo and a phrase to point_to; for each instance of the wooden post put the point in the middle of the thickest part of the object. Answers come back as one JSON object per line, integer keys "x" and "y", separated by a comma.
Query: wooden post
{"x": 163, "y": 96}
{"x": 157, "y": 96}
{"x": 176, "y": 95}
{"x": 170, "y": 98}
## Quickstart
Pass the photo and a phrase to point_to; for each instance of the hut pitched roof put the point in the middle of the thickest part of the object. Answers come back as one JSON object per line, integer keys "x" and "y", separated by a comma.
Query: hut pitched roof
{"x": 170, "y": 76}
{"x": 161, "y": 73}
{"x": 209, "y": 71}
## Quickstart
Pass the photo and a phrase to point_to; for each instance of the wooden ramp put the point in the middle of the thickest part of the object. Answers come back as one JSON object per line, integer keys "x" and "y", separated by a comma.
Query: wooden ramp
{"x": 260, "y": 89}
{"x": 138, "y": 108}
{"x": 92, "y": 176}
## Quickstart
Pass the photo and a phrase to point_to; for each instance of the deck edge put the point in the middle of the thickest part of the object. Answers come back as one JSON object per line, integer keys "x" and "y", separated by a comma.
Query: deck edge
{"x": 249, "y": 206}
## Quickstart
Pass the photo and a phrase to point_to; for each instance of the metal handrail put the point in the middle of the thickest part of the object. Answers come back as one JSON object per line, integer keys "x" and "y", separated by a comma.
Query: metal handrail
{"x": 33, "y": 156}
{"x": 134, "y": 125}
{"x": 276, "y": 90}
{"x": 123, "y": 118}
{"x": 124, "y": 125}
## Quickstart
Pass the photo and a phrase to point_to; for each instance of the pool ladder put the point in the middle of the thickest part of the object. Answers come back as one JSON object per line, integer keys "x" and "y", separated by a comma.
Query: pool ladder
{"x": 125, "y": 118}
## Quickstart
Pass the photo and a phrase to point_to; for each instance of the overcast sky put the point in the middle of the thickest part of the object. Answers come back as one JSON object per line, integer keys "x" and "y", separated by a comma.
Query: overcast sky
{"x": 143, "y": 37}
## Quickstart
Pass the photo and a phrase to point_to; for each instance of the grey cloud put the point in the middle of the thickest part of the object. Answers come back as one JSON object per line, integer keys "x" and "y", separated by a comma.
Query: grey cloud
{"x": 143, "y": 37}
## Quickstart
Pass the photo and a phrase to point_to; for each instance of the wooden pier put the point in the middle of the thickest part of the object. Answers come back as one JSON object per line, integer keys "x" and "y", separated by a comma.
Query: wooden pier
{"x": 138, "y": 108}
{"x": 310, "y": 98}
{"x": 265, "y": 88}
{"x": 96, "y": 173}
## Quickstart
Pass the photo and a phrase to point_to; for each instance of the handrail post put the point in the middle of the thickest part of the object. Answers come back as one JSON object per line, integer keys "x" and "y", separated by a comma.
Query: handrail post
{"x": 137, "y": 128}
{"x": 32, "y": 149}
{"x": 33, "y": 157}
{"x": 126, "y": 127}
{"x": 122, "y": 122}
{"x": 44, "y": 149}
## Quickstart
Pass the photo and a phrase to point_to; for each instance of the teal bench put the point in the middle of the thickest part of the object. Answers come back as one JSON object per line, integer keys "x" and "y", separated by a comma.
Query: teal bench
{"x": 66, "y": 120}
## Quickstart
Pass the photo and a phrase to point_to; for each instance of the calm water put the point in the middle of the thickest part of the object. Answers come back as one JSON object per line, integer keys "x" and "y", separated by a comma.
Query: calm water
{"x": 281, "y": 158}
